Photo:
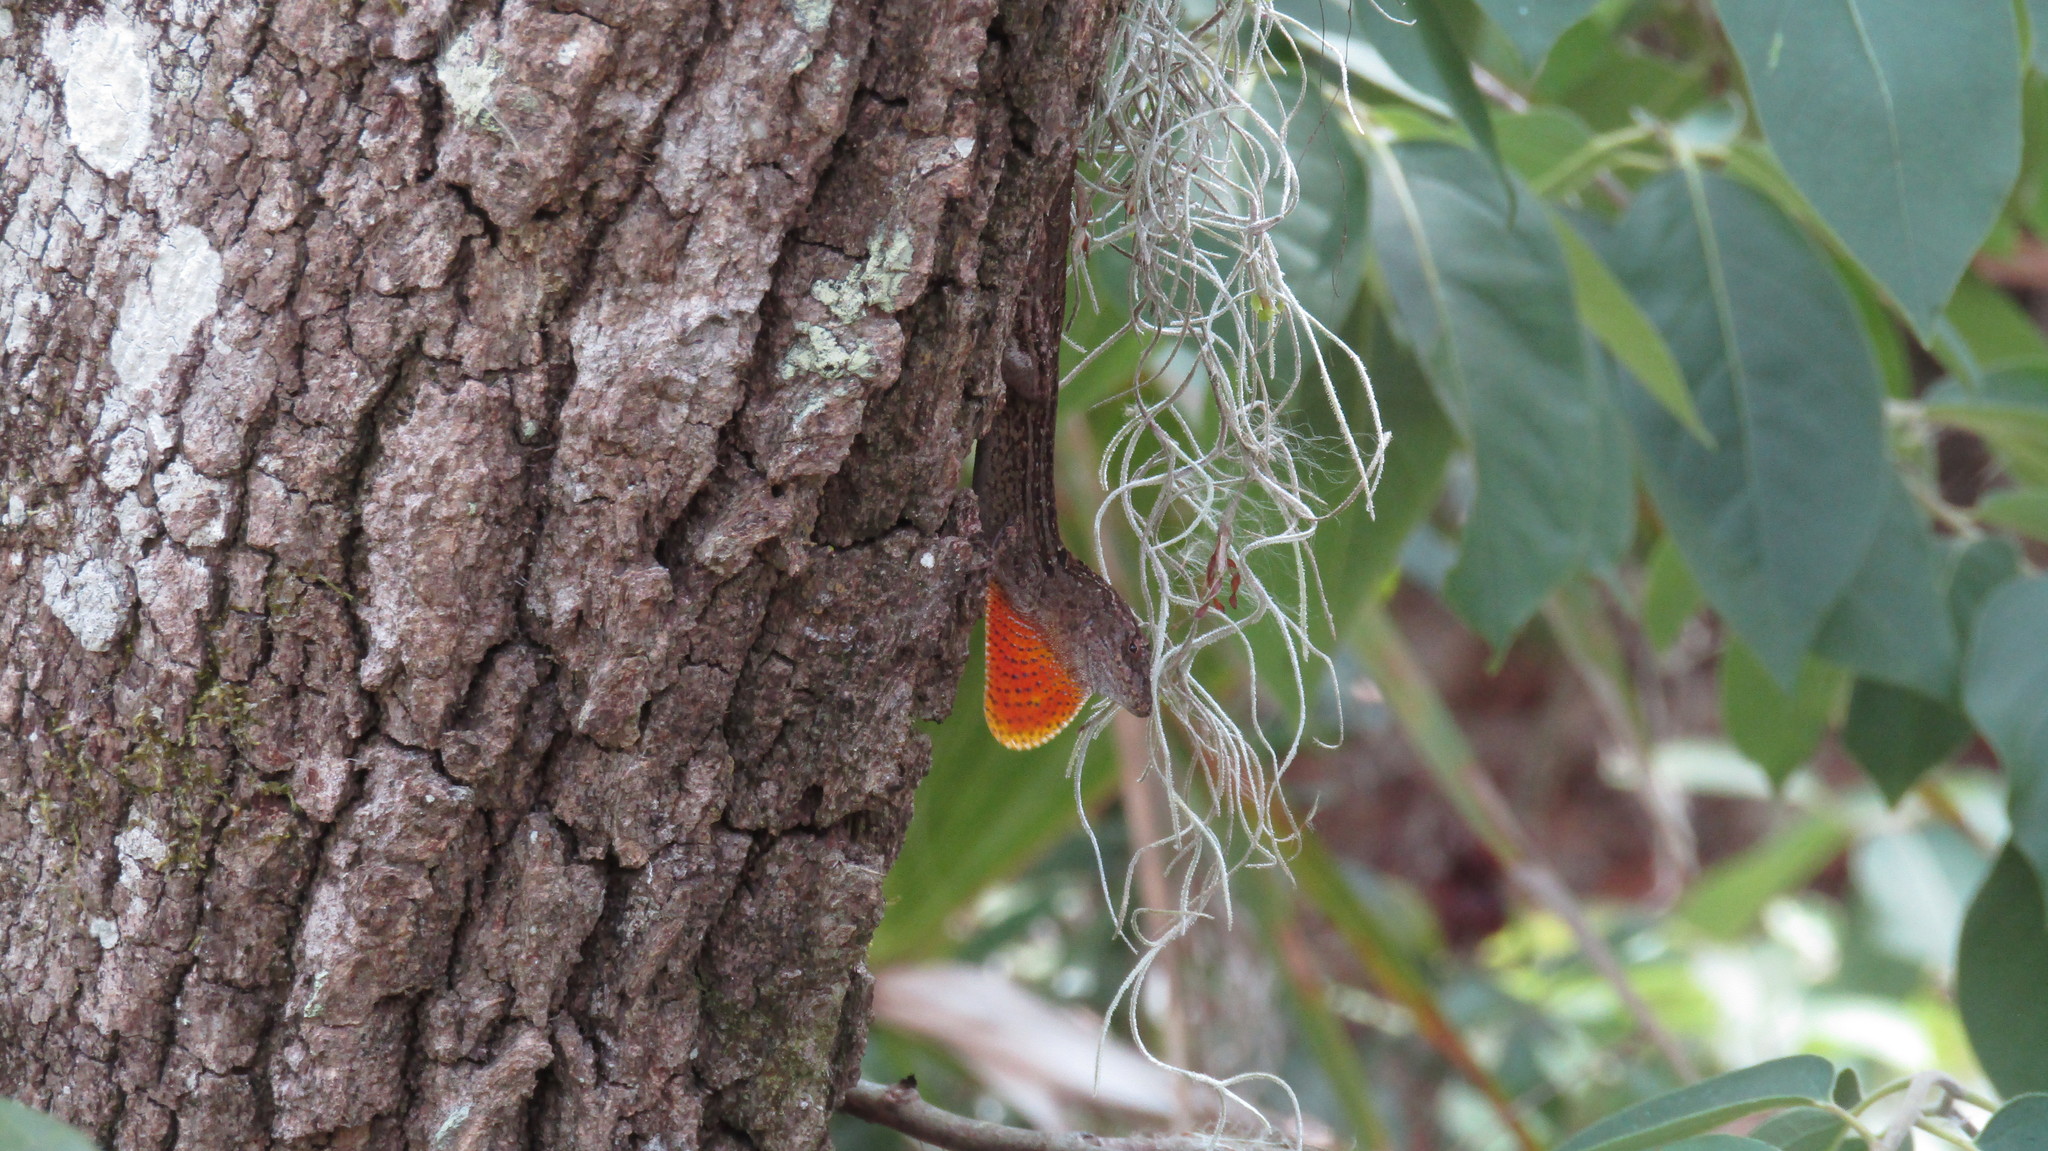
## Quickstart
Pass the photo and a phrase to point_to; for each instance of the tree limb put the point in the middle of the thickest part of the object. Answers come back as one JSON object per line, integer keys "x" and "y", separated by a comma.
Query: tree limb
{"x": 900, "y": 1108}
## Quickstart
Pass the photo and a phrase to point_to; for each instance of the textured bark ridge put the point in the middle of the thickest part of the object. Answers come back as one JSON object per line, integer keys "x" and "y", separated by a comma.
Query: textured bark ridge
{"x": 479, "y": 519}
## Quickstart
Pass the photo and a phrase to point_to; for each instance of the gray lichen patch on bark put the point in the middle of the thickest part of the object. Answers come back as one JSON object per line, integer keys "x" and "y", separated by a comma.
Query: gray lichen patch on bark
{"x": 479, "y": 519}
{"x": 445, "y": 493}
{"x": 519, "y": 88}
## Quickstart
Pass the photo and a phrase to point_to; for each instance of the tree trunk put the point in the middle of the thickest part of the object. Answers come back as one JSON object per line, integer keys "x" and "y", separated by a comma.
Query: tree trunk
{"x": 480, "y": 519}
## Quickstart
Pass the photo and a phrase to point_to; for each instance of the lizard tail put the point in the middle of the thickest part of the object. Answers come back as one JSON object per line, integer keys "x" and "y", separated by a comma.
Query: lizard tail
{"x": 1031, "y": 694}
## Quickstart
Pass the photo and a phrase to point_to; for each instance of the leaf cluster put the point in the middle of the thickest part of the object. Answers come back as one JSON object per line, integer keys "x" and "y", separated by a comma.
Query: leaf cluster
{"x": 1694, "y": 302}
{"x": 1699, "y": 327}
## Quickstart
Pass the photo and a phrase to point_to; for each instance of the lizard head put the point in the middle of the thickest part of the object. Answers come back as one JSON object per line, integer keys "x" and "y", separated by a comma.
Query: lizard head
{"x": 1107, "y": 646}
{"x": 1088, "y": 628}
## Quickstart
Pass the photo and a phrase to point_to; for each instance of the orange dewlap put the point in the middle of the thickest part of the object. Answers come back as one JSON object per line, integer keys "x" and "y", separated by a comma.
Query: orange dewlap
{"x": 1031, "y": 696}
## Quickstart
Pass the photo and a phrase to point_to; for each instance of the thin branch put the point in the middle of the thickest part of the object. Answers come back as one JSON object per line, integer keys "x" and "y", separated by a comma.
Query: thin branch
{"x": 900, "y": 1108}
{"x": 1929, "y": 1095}
{"x": 1541, "y": 883}
{"x": 1604, "y": 661}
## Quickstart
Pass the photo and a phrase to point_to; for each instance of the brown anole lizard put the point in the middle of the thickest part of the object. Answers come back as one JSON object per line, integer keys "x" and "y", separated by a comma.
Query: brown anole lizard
{"x": 1056, "y": 629}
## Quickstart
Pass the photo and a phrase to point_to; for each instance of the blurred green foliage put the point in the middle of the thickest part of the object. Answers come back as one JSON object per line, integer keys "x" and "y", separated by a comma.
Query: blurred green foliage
{"x": 1686, "y": 311}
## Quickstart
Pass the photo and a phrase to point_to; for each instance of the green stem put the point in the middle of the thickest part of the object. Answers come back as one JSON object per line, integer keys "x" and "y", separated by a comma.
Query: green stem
{"x": 1892, "y": 1088}
{"x": 1870, "y": 1138}
{"x": 1972, "y": 1098}
{"x": 1949, "y": 1137}
{"x": 1590, "y": 155}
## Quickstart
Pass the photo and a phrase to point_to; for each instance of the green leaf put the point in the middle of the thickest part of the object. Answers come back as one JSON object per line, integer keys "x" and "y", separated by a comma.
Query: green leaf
{"x": 1419, "y": 40}
{"x": 1719, "y": 1143}
{"x": 1705, "y": 1106}
{"x": 1485, "y": 300}
{"x": 1975, "y": 570}
{"x": 983, "y": 814}
{"x": 1609, "y": 313}
{"x": 1902, "y": 131}
{"x": 1775, "y": 728}
{"x": 1670, "y": 596}
{"x": 2000, "y": 968}
{"x": 2005, "y": 690}
{"x": 1609, "y": 80}
{"x": 1848, "y": 1088}
{"x": 1363, "y": 550}
{"x": 1801, "y": 1129}
{"x": 1894, "y": 362}
{"x": 1898, "y": 734}
{"x": 1412, "y": 48}
{"x": 1440, "y": 40}
{"x": 1728, "y": 896}
{"x": 1391, "y": 28}
{"x": 2030, "y": 201}
{"x": 1996, "y": 333}
{"x": 1532, "y": 26}
{"x": 1612, "y": 531}
{"x": 1776, "y": 519}
{"x": 1327, "y": 33}
{"x": 23, "y": 1128}
{"x": 1537, "y": 141}
{"x": 2005, "y": 681}
{"x": 1611, "y": 517}
{"x": 2022, "y": 1124}
{"x": 1752, "y": 163}
{"x": 1322, "y": 243}
{"x": 1891, "y": 622}
{"x": 2024, "y": 511}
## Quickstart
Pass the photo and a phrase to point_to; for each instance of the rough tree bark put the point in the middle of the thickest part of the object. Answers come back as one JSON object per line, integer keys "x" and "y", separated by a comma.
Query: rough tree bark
{"x": 480, "y": 519}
